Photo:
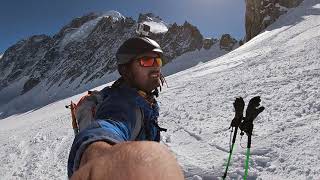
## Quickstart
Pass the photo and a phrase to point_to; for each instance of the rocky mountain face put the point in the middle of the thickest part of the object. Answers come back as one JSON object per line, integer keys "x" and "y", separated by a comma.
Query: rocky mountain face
{"x": 84, "y": 51}
{"x": 84, "y": 48}
{"x": 179, "y": 40}
{"x": 261, "y": 13}
{"x": 227, "y": 42}
{"x": 208, "y": 42}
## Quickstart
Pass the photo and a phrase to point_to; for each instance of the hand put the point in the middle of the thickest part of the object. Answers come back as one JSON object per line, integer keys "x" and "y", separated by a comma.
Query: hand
{"x": 143, "y": 160}
{"x": 238, "y": 107}
{"x": 251, "y": 113}
{"x": 252, "y": 110}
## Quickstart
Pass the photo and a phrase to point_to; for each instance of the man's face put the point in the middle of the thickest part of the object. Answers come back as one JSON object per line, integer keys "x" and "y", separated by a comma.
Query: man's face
{"x": 145, "y": 78}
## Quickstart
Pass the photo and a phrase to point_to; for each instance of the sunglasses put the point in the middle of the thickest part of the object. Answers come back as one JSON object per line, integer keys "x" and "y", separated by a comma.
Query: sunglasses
{"x": 149, "y": 61}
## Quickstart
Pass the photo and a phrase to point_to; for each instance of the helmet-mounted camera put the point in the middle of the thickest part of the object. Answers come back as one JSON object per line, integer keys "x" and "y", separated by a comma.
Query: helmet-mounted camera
{"x": 143, "y": 29}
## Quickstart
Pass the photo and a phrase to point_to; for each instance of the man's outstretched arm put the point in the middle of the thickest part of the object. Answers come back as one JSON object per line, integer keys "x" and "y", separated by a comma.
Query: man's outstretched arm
{"x": 135, "y": 160}
{"x": 102, "y": 151}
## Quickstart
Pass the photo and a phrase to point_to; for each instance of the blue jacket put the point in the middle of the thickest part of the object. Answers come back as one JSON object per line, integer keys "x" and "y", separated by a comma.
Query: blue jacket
{"x": 115, "y": 122}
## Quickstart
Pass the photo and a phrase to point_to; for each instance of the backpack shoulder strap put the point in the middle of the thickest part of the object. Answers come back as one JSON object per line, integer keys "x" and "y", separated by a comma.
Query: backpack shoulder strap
{"x": 105, "y": 92}
{"x": 138, "y": 125}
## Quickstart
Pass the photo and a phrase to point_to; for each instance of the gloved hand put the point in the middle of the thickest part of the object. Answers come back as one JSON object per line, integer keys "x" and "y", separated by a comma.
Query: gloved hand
{"x": 252, "y": 110}
{"x": 238, "y": 107}
{"x": 251, "y": 113}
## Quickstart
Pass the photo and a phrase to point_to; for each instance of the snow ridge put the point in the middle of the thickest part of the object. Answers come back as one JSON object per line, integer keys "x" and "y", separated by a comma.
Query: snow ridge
{"x": 82, "y": 32}
{"x": 156, "y": 27}
{"x": 156, "y": 24}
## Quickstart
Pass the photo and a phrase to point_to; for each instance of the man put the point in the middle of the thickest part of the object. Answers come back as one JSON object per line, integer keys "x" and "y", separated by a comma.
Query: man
{"x": 119, "y": 143}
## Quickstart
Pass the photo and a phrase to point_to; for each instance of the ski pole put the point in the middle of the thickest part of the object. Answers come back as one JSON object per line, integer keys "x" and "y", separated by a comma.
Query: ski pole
{"x": 238, "y": 106}
{"x": 247, "y": 126}
{"x": 247, "y": 158}
{"x": 230, "y": 154}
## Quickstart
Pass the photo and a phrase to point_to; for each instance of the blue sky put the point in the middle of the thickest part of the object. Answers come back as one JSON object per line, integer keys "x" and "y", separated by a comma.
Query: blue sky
{"x": 20, "y": 19}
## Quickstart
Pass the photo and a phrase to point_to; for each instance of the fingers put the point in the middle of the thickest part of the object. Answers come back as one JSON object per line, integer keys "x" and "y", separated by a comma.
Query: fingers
{"x": 260, "y": 109}
{"x": 255, "y": 101}
{"x": 253, "y": 109}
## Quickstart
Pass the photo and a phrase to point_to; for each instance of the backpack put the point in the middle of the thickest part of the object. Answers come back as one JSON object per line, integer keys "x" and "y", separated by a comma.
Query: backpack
{"x": 83, "y": 112}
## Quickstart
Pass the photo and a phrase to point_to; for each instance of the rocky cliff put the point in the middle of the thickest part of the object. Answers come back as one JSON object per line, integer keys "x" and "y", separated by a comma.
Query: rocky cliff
{"x": 262, "y": 13}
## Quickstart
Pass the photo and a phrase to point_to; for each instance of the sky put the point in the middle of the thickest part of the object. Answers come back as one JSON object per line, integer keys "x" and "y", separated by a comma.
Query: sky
{"x": 21, "y": 19}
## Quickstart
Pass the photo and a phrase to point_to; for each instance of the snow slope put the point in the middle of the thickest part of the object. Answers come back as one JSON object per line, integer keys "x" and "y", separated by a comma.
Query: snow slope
{"x": 193, "y": 58}
{"x": 282, "y": 65}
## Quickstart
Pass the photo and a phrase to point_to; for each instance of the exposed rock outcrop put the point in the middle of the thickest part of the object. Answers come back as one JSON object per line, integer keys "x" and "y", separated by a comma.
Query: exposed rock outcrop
{"x": 208, "y": 42}
{"x": 179, "y": 39}
{"x": 227, "y": 42}
{"x": 148, "y": 17}
{"x": 261, "y": 13}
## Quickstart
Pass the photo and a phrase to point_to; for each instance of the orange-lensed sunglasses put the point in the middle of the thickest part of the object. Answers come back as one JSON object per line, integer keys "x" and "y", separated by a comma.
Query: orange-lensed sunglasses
{"x": 149, "y": 61}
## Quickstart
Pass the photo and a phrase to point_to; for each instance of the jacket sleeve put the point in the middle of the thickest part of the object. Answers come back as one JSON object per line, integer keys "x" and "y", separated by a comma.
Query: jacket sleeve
{"x": 109, "y": 131}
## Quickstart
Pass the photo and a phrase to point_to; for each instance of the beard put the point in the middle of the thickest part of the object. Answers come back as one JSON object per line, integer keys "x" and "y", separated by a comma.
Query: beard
{"x": 151, "y": 84}
{"x": 146, "y": 80}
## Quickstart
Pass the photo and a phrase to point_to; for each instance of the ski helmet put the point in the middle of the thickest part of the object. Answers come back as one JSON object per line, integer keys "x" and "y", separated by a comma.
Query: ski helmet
{"x": 133, "y": 47}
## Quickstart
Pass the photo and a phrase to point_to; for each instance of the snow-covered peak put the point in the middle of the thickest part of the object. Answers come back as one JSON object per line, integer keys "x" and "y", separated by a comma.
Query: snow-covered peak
{"x": 155, "y": 22}
{"x": 114, "y": 14}
{"x": 1, "y": 56}
{"x": 149, "y": 17}
{"x": 156, "y": 27}
{"x": 78, "y": 34}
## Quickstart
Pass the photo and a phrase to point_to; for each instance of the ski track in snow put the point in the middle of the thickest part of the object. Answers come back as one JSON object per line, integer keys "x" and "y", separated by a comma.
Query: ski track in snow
{"x": 282, "y": 65}
{"x": 36, "y": 145}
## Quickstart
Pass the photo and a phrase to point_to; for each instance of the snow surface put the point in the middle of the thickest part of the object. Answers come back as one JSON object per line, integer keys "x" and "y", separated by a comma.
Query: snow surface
{"x": 191, "y": 59}
{"x": 282, "y": 65}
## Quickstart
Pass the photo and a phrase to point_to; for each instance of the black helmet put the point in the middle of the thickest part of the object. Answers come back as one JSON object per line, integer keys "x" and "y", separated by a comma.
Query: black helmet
{"x": 133, "y": 47}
